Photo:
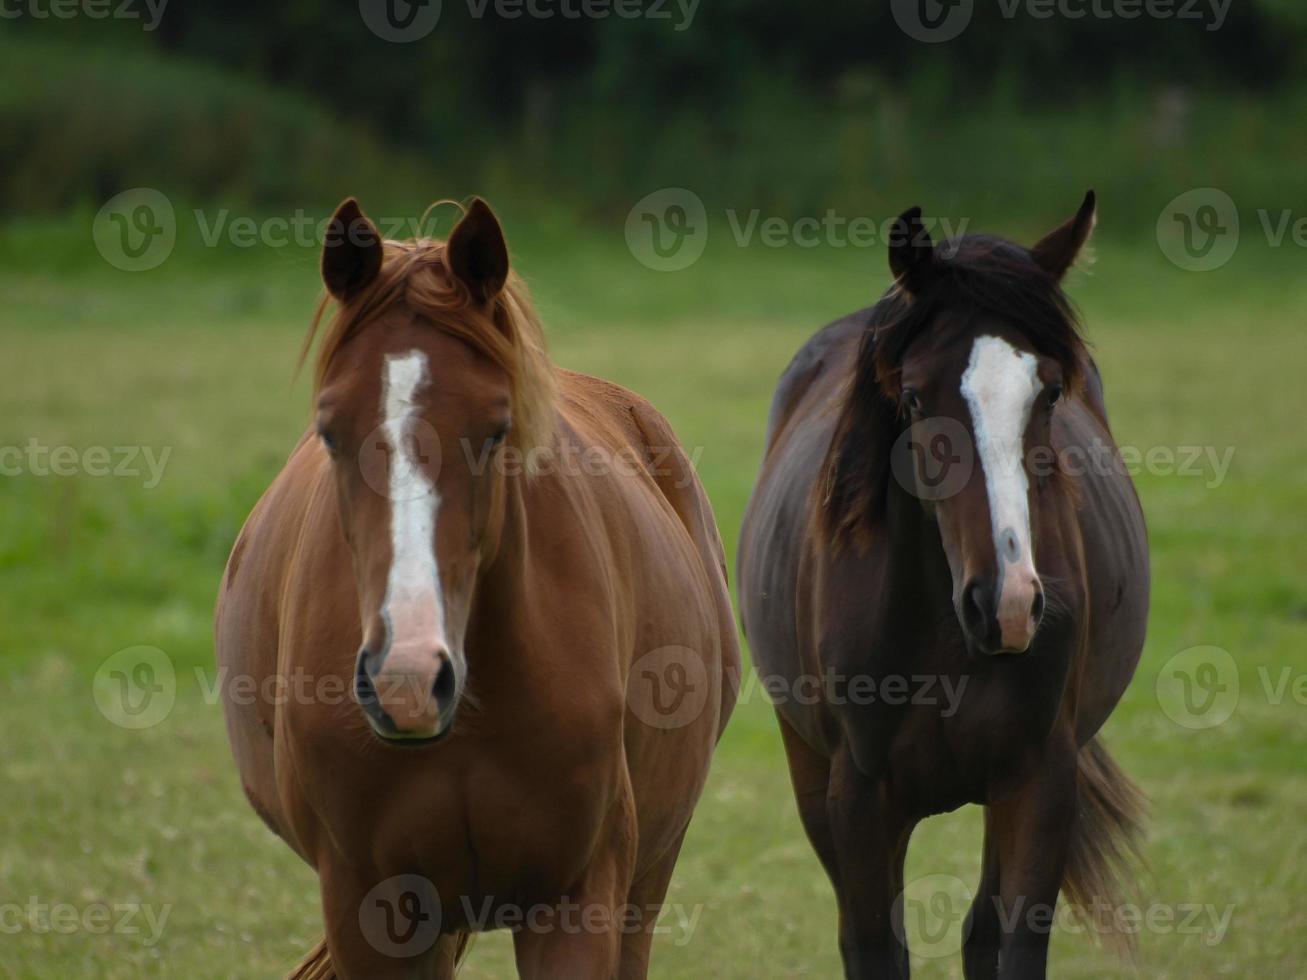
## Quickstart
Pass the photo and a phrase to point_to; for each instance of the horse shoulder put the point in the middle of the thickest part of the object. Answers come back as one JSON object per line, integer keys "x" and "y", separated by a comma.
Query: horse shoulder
{"x": 1115, "y": 542}
{"x": 247, "y": 622}
{"x": 644, "y": 430}
{"x": 825, "y": 354}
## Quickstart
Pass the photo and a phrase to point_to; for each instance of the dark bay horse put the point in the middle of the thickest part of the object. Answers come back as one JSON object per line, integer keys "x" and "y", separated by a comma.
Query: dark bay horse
{"x": 941, "y": 508}
{"x": 435, "y": 630}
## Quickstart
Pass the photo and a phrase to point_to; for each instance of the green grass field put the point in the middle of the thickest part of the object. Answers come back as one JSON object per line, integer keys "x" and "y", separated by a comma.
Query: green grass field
{"x": 198, "y": 354}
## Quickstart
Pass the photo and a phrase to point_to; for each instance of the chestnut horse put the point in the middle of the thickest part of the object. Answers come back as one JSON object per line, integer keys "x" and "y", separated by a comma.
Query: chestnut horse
{"x": 942, "y": 535}
{"x": 459, "y": 590}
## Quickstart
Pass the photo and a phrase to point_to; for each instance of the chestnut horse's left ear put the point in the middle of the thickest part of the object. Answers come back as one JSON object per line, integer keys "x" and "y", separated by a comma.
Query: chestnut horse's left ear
{"x": 351, "y": 252}
{"x": 1058, "y": 249}
{"x": 478, "y": 254}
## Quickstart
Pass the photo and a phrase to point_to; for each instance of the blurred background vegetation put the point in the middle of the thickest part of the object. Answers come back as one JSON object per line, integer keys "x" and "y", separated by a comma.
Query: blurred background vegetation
{"x": 790, "y": 110}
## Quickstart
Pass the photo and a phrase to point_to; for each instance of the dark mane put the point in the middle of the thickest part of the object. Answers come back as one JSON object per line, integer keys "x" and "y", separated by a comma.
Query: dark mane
{"x": 971, "y": 276}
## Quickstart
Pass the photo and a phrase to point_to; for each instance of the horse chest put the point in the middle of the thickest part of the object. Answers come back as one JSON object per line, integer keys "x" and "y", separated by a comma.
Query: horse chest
{"x": 972, "y": 741}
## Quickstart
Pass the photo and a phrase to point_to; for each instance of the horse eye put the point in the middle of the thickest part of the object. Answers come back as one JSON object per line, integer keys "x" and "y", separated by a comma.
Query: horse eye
{"x": 500, "y": 434}
{"x": 912, "y": 401}
{"x": 328, "y": 441}
{"x": 1054, "y": 394}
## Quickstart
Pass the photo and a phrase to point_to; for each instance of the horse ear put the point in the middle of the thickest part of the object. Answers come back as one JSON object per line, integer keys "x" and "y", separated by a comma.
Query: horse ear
{"x": 478, "y": 254}
{"x": 1058, "y": 249}
{"x": 911, "y": 252}
{"x": 351, "y": 252}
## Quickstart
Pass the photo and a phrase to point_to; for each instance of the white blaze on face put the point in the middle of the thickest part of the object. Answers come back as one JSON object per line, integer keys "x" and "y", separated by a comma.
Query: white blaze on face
{"x": 413, "y": 606}
{"x": 1000, "y": 384}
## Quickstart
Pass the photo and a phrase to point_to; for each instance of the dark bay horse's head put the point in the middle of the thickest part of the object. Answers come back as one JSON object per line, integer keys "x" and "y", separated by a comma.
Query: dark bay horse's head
{"x": 967, "y": 361}
{"x": 432, "y": 367}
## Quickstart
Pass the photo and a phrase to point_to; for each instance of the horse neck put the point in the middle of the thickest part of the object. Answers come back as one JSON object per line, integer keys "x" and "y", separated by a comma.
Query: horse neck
{"x": 504, "y": 567}
{"x": 914, "y": 548}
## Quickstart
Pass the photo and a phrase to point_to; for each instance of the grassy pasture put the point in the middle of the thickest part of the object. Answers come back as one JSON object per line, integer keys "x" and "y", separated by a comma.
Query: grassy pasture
{"x": 197, "y": 356}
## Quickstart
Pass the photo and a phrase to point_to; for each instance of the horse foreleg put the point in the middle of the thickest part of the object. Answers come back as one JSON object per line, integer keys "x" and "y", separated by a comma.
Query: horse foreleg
{"x": 983, "y": 930}
{"x": 871, "y": 841}
{"x": 1033, "y": 829}
{"x": 646, "y": 901}
{"x": 582, "y": 938}
{"x": 810, "y": 778}
{"x": 384, "y": 928}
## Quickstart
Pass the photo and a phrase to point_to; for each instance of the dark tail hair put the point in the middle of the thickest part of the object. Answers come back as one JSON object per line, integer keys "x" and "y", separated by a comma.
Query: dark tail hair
{"x": 316, "y": 964}
{"x": 1105, "y": 847}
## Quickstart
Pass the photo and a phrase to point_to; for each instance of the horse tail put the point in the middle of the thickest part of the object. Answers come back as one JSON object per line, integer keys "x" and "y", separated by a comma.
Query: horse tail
{"x": 465, "y": 941}
{"x": 316, "y": 964}
{"x": 1105, "y": 845}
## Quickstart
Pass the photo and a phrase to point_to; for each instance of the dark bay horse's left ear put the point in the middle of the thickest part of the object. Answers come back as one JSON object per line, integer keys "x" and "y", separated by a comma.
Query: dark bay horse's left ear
{"x": 478, "y": 254}
{"x": 351, "y": 252}
{"x": 1058, "y": 249}
{"x": 911, "y": 252}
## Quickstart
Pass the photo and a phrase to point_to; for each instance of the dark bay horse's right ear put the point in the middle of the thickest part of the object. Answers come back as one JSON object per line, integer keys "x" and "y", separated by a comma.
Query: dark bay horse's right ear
{"x": 351, "y": 252}
{"x": 911, "y": 252}
{"x": 1058, "y": 249}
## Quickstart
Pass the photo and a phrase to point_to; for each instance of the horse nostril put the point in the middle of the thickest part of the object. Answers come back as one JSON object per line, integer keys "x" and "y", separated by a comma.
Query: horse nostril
{"x": 364, "y": 689}
{"x": 1037, "y": 606}
{"x": 445, "y": 684}
{"x": 976, "y": 609}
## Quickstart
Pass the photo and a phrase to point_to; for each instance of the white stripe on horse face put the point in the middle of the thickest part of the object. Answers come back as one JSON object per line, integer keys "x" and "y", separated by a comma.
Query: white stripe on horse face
{"x": 413, "y": 602}
{"x": 1000, "y": 385}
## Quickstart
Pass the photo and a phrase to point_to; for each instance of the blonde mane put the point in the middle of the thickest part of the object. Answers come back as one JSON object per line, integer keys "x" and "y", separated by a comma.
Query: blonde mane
{"x": 416, "y": 275}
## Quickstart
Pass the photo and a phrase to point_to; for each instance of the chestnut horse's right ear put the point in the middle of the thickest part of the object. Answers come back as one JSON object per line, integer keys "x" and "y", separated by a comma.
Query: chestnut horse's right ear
{"x": 911, "y": 252}
{"x": 478, "y": 254}
{"x": 351, "y": 252}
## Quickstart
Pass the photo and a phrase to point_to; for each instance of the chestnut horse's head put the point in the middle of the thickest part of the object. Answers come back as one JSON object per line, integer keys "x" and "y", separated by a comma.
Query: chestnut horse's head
{"x": 433, "y": 364}
{"x": 966, "y": 365}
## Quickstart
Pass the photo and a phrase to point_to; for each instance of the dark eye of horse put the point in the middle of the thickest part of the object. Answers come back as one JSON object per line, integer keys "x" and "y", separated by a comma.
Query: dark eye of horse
{"x": 1054, "y": 394}
{"x": 328, "y": 442}
{"x": 500, "y": 434}
{"x": 912, "y": 402}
